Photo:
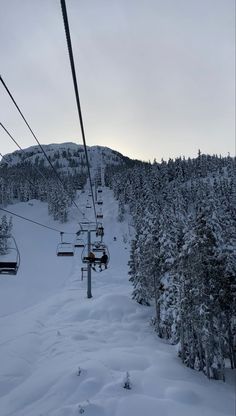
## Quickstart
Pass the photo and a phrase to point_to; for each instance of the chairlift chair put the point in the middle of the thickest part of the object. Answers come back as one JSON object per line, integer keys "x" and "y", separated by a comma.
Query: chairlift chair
{"x": 98, "y": 247}
{"x": 10, "y": 260}
{"x": 64, "y": 248}
{"x": 99, "y": 202}
{"x": 100, "y": 231}
{"x": 79, "y": 242}
{"x": 99, "y": 215}
{"x": 97, "y": 261}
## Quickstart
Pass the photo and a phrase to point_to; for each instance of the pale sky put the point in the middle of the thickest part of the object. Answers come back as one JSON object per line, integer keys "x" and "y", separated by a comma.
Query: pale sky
{"x": 156, "y": 77}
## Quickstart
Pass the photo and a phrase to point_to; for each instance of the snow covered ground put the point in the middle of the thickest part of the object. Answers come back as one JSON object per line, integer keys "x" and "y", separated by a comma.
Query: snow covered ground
{"x": 62, "y": 354}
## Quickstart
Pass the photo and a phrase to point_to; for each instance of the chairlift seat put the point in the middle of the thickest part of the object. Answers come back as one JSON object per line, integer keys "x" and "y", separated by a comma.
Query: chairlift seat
{"x": 99, "y": 215}
{"x": 79, "y": 242}
{"x": 78, "y": 245}
{"x": 99, "y": 202}
{"x": 8, "y": 267}
{"x": 98, "y": 247}
{"x": 65, "y": 249}
{"x": 88, "y": 260}
{"x": 10, "y": 261}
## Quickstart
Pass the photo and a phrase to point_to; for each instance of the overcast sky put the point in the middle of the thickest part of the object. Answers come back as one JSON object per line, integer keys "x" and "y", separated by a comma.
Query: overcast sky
{"x": 156, "y": 77}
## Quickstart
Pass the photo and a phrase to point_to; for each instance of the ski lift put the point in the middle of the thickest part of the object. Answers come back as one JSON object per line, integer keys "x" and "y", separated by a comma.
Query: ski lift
{"x": 98, "y": 247}
{"x": 97, "y": 260}
{"x": 100, "y": 231}
{"x": 10, "y": 259}
{"x": 65, "y": 249}
{"x": 79, "y": 242}
{"x": 99, "y": 190}
{"x": 88, "y": 206}
{"x": 99, "y": 202}
{"x": 100, "y": 215}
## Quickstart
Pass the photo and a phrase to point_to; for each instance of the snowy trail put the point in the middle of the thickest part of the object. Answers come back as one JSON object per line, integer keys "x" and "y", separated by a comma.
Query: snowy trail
{"x": 66, "y": 355}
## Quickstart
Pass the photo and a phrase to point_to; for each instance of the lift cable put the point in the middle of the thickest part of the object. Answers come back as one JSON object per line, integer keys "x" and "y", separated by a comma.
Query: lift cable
{"x": 35, "y": 222}
{"x": 17, "y": 144}
{"x": 12, "y": 138}
{"x": 33, "y": 134}
{"x": 70, "y": 51}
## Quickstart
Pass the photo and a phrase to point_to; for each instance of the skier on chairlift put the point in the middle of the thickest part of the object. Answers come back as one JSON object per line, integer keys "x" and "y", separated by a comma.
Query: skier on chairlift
{"x": 103, "y": 261}
{"x": 91, "y": 257}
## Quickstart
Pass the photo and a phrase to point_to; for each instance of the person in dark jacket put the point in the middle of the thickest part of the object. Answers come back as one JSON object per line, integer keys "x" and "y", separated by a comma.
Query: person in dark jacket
{"x": 103, "y": 261}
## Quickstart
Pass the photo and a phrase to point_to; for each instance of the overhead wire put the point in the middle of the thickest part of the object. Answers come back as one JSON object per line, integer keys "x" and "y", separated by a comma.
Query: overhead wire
{"x": 25, "y": 153}
{"x": 75, "y": 83}
{"x": 35, "y": 222}
{"x": 19, "y": 147}
{"x": 40, "y": 146}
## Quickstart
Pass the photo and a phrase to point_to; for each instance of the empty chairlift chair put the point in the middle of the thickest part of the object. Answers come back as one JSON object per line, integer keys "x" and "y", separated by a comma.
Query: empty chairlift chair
{"x": 9, "y": 255}
{"x": 98, "y": 247}
{"x": 64, "y": 248}
{"x": 79, "y": 242}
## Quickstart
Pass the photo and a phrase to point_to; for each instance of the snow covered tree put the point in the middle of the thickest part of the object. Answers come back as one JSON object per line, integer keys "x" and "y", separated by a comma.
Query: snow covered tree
{"x": 5, "y": 232}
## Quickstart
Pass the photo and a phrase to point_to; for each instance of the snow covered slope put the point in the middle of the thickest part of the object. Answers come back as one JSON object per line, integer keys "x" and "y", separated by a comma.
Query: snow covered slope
{"x": 62, "y": 354}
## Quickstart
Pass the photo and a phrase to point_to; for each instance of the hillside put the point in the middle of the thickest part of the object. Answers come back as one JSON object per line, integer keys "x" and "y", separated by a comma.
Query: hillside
{"x": 63, "y": 354}
{"x": 66, "y": 157}
{"x": 26, "y": 174}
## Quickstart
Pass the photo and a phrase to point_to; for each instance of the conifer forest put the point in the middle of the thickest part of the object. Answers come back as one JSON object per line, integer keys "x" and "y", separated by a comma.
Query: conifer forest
{"x": 183, "y": 257}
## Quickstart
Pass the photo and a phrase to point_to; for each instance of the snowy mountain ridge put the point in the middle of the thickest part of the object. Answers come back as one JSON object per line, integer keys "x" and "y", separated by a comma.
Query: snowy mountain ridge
{"x": 66, "y": 155}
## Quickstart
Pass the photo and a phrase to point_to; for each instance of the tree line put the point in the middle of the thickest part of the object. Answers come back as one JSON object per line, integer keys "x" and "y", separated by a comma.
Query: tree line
{"x": 22, "y": 182}
{"x": 182, "y": 258}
